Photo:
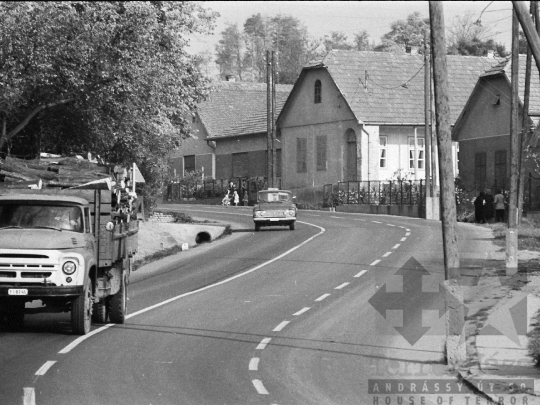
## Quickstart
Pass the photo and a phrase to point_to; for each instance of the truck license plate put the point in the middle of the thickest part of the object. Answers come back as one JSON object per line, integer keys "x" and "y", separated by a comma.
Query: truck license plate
{"x": 274, "y": 219}
{"x": 17, "y": 291}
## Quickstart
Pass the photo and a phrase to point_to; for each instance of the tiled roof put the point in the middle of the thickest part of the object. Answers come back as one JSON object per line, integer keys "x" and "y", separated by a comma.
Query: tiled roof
{"x": 237, "y": 108}
{"x": 505, "y": 67}
{"x": 388, "y": 88}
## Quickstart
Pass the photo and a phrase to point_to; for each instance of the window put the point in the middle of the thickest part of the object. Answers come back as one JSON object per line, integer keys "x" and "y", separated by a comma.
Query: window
{"x": 420, "y": 156}
{"x": 189, "y": 164}
{"x": 480, "y": 170}
{"x": 317, "y": 91}
{"x": 383, "y": 140}
{"x": 321, "y": 152}
{"x": 301, "y": 155}
{"x": 500, "y": 169}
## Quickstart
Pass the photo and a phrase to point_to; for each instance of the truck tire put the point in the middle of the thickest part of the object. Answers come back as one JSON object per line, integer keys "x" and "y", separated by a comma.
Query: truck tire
{"x": 81, "y": 311}
{"x": 117, "y": 304}
{"x": 100, "y": 313}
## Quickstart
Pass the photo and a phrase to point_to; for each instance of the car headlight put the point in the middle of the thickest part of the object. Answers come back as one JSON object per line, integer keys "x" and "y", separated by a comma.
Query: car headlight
{"x": 260, "y": 213}
{"x": 69, "y": 267}
{"x": 290, "y": 213}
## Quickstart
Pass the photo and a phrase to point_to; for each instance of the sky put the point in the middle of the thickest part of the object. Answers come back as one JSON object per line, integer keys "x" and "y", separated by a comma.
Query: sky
{"x": 349, "y": 17}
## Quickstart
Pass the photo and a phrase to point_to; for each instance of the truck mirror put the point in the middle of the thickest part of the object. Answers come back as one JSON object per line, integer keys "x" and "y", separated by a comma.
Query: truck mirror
{"x": 109, "y": 226}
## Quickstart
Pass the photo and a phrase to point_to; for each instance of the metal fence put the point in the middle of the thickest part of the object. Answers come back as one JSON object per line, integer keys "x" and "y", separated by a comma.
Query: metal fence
{"x": 399, "y": 192}
{"x": 181, "y": 190}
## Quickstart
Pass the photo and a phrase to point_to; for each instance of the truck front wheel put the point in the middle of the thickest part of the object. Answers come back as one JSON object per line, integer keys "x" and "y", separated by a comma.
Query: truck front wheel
{"x": 81, "y": 311}
{"x": 118, "y": 304}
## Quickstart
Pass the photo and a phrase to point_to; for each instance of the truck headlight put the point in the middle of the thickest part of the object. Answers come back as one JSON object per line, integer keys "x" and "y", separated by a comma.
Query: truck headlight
{"x": 69, "y": 267}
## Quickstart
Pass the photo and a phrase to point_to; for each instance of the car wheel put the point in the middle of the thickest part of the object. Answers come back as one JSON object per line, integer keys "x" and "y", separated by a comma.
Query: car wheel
{"x": 257, "y": 227}
{"x": 291, "y": 226}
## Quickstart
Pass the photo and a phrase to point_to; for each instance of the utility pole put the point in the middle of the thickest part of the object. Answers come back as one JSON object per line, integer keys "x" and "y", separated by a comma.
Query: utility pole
{"x": 524, "y": 124}
{"x": 427, "y": 129}
{"x": 268, "y": 120}
{"x": 456, "y": 352}
{"x": 274, "y": 141}
{"x": 511, "y": 232}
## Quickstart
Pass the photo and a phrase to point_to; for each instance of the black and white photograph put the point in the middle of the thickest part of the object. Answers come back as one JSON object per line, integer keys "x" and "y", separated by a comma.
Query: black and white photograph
{"x": 269, "y": 202}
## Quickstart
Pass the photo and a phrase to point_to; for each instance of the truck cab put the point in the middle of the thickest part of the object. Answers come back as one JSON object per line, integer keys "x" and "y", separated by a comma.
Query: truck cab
{"x": 63, "y": 248}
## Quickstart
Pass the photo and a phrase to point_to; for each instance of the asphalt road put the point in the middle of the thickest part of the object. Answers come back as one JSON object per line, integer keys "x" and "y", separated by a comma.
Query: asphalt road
{"x": 271, "y": 317}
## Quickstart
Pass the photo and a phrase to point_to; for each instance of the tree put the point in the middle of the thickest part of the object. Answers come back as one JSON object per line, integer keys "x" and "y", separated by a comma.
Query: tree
{"x": 258, "y": 41}
{"x": 361, "y": 41}
{"x": 336, "y": 40}
{"x": 111, "y": 77}
{"x": 467, "y": 36}
{"x": 229, "y": 52}
{"x": 406, "y": 33}
{"x": 290, "y": 41}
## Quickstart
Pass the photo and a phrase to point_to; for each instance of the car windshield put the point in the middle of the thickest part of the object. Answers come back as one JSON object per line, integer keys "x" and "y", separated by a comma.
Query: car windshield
{"x": 21, "y": 215}
{"x": 274, "y": 196}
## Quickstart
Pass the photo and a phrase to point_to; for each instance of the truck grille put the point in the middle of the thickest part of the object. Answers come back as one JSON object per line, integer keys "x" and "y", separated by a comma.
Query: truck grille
{"x": 26, "y": 274}
{"x": 7, "y": 274}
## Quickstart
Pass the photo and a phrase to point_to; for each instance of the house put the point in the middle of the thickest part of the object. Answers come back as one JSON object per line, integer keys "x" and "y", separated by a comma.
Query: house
{"x": 483, "y": 131}
{"x": 359, "y": 116}
{"x": 229, "y": 133}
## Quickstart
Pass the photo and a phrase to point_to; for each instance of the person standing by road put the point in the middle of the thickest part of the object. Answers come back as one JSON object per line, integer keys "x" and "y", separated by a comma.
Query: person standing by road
{"x": 498, "y": 202}
{"x": 489, "y": 206}
{"x": 236, "y": 198}
{"x": 479, "y": 208}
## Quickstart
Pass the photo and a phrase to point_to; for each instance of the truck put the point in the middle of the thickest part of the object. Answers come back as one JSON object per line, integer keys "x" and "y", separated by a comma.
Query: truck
{"x": 72, "y": 249}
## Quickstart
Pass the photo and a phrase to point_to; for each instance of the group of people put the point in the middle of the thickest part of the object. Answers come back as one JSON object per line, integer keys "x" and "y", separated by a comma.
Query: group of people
{"x": 232, "y": 196}
{"x": 487, "y": 207}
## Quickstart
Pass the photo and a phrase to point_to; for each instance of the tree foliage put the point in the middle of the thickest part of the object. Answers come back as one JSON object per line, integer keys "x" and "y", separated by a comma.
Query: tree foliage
{"x": 111, "y": 77}
{"x": 405, "y": 33}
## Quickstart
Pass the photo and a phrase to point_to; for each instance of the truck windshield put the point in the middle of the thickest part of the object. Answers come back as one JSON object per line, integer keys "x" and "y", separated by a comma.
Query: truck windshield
{"x": 280, "y": 196}
{"x": 41, "y": 216}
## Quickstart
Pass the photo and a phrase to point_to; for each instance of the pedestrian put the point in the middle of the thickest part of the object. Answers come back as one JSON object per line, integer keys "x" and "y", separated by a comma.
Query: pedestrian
{"x": 245, "y": 200}
{"x": 236, "y": 198}
{"x": 489, "y": 207}
{"x": 479, "y": 208}
{"x": 499, "y": 203}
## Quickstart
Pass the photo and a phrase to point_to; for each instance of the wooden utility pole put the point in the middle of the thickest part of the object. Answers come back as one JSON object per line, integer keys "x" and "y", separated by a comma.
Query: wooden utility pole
{"x": 525, "y": 124}
{"x": 427, "y": 123}
{"x": 511, "y": 232}
{"x": 268, "y": 120}
{"x": 274, "y": 142}
{"x": 455, "y": 316}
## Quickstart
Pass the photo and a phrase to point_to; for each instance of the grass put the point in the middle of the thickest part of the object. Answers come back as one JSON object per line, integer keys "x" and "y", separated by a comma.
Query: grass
{"x": 528, "y": 234}
{"x": 534, "y": 340}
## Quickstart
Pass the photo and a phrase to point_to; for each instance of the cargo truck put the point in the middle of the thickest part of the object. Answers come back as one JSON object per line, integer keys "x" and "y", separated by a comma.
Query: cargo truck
{"x": 68, "y": 248}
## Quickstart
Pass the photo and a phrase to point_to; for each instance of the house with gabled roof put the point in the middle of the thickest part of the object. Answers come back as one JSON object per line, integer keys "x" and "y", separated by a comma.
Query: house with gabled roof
{"x": 229, "y": 133}
{"x": 359, "y": 116}
{"x": 483, "y": 132}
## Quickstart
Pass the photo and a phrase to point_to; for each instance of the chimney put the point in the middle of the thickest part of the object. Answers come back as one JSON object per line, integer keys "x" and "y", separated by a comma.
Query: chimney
{"x": 413, "y": 50}
{"x": 230, "y": 78}
{"x": 490, "y": 53}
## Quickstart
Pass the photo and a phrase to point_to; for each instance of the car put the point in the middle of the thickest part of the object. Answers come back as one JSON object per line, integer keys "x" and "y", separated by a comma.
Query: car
{"x": 274, "y": 207}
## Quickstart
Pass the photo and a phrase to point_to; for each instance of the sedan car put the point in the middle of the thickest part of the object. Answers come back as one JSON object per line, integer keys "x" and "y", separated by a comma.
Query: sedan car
{"x": 274, "y": 207}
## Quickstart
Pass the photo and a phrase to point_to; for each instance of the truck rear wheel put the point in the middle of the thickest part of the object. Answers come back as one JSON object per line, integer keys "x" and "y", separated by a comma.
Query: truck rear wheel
{"x": 100, "y": 312}
{"x": 118, "y": 304}
{"x": 81, "y": 311}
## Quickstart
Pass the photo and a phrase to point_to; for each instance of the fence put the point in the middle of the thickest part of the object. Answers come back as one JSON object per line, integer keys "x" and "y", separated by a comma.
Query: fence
{"x": 399, "y": 192}
{"x": 182, "y": 190}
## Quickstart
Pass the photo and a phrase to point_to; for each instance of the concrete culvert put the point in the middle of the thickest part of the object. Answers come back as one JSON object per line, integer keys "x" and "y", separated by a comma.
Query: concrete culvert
{"x": 203, "y": 237}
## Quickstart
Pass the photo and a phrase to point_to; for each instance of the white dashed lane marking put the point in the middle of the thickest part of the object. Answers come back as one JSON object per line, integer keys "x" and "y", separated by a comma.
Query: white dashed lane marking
{"x": 44, "y": 368}
{"x": 397, "y": 245}
{"x": 322, "y": 297}
{"x": 254, "y": 364}
{"x": 376, "y": 222}
{"x": 408, "y": 234}
{"x": 361, "y": 273}
{"x": 403, "y": 239}
{"x": 301, "y": 311}
{"x": 375, "y": 262}
{"x": 280, "y": 326}
{"x": 29, "y": 397}
{"x": 339, "y": 287}
{"x": 263, "y": 343}
{"x": 390, "y": 225}
{"x": 387, "y": 254}
{"x": 259, "y": 387}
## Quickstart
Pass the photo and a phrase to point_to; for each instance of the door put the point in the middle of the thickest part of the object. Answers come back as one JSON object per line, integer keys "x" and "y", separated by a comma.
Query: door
{"x": 352, "y": 156}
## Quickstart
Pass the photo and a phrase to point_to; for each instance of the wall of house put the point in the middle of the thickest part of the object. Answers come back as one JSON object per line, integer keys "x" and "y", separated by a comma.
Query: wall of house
{"x": 306, "y": 119}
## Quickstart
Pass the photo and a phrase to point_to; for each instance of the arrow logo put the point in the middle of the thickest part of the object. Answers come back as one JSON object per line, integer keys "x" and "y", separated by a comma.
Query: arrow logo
{"x": 412, "y": 300}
